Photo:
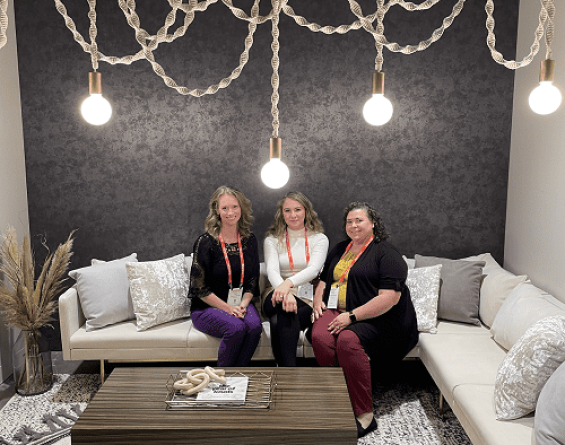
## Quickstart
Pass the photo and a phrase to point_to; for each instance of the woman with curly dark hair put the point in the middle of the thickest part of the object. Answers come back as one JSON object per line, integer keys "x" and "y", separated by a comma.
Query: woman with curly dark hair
{"x": 225, "y": 277}
{"x": 362, "y": 308}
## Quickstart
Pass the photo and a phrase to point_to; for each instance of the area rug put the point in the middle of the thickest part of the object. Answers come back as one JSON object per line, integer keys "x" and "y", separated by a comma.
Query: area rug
{"x": 46, "y": 419}
{"x": 407, "y": 414}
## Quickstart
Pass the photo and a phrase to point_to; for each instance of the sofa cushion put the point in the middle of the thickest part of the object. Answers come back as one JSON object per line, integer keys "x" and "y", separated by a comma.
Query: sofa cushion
{"x": 103, "y": 291}
{"x": 527, "y": 367}
{"x": 424, "y": 292}
{"x": 474, "y": 409}
{"x": 525, "y": 305}
{"x": 159, "y": 291}
{"x": 549, "y": 423}
{"x": 459, "y": 288}
{"x": 496, "y": 285}
{"x": 460, "y": 353}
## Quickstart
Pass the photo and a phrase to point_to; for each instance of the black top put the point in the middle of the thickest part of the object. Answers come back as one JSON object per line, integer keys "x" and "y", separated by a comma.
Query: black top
{"x": 209, "y": 273}
{"x": 394, "y": 333}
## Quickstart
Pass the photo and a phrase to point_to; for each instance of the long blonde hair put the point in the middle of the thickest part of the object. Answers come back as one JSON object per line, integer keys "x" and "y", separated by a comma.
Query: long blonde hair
{"x": 213, "y": 223}
{"x": 311, "y": 220}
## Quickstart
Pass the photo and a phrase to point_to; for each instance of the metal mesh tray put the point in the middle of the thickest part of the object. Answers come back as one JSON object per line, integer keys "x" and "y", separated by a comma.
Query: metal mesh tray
{"x": 259, "y": 393}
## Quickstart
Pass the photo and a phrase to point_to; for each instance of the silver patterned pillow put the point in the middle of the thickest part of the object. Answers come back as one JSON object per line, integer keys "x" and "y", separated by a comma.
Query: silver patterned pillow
{"x": 424, "y": 291}
{"x": 527, "y": 367}
{"x": 159, "y": 291}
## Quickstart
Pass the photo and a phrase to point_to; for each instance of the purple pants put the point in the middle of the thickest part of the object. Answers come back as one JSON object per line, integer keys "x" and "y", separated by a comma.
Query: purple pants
{"x": 239, "y": 337}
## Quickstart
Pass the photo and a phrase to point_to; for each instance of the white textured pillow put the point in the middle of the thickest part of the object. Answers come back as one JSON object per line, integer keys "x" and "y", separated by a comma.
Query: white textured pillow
{"x": 527, "y": 367}
{"x": 103, "y": 292}
{"x": 525, "y": 305}
{"x": 424, "y": 291}
{"x": 159, "y": 291}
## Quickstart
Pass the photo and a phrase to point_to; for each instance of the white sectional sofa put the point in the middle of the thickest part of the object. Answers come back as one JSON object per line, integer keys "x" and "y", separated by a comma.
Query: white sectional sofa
{"x": 464, "y": 359}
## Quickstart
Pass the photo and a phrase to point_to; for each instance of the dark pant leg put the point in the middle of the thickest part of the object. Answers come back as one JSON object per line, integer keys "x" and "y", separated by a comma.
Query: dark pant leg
{"x": 289, "y": 326}
{"x": 357, "y": 369}
{"x": 323, "y": 342}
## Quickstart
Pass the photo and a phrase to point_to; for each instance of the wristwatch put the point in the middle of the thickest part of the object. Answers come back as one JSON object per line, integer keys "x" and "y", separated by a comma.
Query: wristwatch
{"x": 352, "y": 317}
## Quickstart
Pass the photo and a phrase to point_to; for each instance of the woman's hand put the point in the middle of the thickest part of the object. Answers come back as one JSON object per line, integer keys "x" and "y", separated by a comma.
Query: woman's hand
{"x": 339, "y": 323}
{"x": 289, "y": 304}
{"x": 281, "y": 291}
{"x": 318, "y": 305}
{"x": 317, "y": 310}
{"x": 236, "y": 311}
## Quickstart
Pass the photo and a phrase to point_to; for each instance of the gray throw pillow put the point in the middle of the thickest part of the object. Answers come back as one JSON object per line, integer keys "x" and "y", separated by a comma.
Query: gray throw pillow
{"x": 459, "y": 288}
{"x": 103, "y": 292}
{"x": 549, "y": 422}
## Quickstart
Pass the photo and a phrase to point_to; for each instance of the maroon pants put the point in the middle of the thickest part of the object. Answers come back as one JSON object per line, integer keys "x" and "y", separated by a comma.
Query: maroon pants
{"x": 344, "y": 350}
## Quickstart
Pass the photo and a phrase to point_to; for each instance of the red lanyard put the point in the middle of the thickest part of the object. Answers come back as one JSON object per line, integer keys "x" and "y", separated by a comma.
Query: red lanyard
{"x": 342, "y": 279}
{"x": 306, "y": 247}
{"x": 228, "y": 261}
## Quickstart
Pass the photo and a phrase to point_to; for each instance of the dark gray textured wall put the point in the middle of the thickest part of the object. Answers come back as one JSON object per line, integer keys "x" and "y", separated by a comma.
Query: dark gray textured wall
{"x": 437, "y": 172}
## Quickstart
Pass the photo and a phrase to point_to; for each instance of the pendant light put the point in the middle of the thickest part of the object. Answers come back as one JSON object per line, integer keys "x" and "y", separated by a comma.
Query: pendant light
{"x": 378, "y": 109}
{"x": 546, "y": 97}
{"x": 95, "y": 109}
{"x": 275, "y": 173}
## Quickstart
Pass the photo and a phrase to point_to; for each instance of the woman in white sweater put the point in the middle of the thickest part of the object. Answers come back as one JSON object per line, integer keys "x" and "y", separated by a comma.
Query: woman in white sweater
{"x": 295, "y": 250}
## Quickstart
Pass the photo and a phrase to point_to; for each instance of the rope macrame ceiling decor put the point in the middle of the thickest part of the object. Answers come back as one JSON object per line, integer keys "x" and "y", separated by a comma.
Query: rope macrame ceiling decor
{"x": 372, "y": 23}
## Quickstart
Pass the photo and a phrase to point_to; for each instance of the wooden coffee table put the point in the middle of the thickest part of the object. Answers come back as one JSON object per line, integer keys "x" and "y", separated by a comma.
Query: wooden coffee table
{"x": 308, "y": 406}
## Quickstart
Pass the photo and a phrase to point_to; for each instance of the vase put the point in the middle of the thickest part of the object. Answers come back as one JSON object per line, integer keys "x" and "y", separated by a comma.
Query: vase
{"x": 31, "y": 361}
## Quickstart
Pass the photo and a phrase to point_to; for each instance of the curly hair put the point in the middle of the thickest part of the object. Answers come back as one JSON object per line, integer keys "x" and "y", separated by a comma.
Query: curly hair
{"x": 379, "y": 228}
{"x": 213, "y": 223}
{"x": 311, "y": 220}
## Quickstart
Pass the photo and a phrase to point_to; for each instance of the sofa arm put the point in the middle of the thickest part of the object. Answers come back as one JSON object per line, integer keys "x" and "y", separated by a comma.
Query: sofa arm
{"x": 71, "y": 319}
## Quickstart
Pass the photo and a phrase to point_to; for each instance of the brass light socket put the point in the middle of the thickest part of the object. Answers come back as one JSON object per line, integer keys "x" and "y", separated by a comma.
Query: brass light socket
{"x": 378, "y": 82}
{"x": 275, "y": 149}
{"x": 95, "y": 82}
{"x": 547, "y": 70}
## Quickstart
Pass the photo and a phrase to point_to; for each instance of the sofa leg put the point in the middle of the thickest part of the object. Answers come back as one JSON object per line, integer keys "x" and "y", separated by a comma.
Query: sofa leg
{"x": 441, "y": 400}
{"x": 102, "y": 374}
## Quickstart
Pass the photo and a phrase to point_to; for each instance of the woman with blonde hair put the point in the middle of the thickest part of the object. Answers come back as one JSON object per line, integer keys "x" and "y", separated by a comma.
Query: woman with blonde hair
{"x": 295, "y": 250}
{"x": 225, "y": 277}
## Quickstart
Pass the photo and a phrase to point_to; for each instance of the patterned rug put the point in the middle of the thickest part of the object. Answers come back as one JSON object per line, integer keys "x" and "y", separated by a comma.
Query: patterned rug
{"x": 46, "y": 419}
{"x": 407, "y": 414}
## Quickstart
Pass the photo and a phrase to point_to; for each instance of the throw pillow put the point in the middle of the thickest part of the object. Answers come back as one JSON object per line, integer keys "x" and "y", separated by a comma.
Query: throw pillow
{"x": 497, "y": 283}
{"x": 459, "y": 288}
{"x": 549, "y": 422}
{"x": 424, "y": 291}
{"x": 159, "y": 291}
{"x": 527, "y": 367}
{"x": 103, "y": 292}
{"x": 525, "y": 305}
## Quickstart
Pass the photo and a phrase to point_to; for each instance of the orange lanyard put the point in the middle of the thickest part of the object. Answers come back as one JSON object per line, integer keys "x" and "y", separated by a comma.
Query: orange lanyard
{"x": 289, "y": 251}
{"x": 228, "y": 261}
{"x": 342, "y": 279}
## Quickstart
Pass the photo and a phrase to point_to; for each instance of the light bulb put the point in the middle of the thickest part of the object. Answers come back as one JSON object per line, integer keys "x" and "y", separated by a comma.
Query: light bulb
{"x": 275, "y": 174}
{"x": 377, "y": 110}
{"x": 96, "y": 110}
{"x": 545, "y": 98}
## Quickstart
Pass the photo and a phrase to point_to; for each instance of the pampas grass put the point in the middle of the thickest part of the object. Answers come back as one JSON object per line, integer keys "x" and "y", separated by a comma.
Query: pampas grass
{"x": 24, "y": 302}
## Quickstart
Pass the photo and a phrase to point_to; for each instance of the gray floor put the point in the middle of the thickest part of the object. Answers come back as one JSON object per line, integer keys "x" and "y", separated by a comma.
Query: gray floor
{"x": 60, "y": 366}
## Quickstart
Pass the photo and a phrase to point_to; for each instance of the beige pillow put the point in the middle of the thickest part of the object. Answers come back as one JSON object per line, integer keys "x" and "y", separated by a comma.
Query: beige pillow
{"x": 527, "y": 367}
{"x": 424, "y": 292}
{"x": 159, "y": 291}
{"x": 525, "y": 305}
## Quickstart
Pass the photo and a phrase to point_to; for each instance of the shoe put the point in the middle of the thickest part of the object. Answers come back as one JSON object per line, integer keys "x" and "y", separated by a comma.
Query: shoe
{"x": 364, "y": 431}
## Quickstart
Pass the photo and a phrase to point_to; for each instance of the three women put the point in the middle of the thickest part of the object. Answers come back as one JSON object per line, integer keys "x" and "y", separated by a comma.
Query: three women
{"x": 361, "y": 307}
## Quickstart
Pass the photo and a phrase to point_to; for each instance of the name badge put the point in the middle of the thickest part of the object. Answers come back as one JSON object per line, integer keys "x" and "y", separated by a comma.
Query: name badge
{"x": 333, "y": 298}
{"x": 235, "y": 296}
{"x": 306, "y": 291}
